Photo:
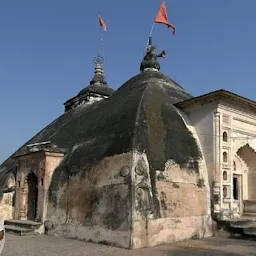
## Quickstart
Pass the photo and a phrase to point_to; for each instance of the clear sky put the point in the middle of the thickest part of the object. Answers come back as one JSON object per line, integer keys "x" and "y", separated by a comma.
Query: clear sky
{"x": 47, "y": 49}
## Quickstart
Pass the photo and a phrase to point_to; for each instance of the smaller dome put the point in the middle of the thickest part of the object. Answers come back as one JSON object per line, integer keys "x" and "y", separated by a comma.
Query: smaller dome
{"x": 99, "y": 89}
{"x": 98, "y": 83}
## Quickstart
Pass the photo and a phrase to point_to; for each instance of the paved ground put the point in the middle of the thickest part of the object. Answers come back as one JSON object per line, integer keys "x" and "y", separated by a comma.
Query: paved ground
{"x": 53, "y": 246}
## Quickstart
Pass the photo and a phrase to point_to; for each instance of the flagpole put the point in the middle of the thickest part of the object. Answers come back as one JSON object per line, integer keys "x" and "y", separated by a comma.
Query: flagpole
{"x": 152, "y": 28}
{"x": 102, "y": 48}
{"x": 150, "y": 34}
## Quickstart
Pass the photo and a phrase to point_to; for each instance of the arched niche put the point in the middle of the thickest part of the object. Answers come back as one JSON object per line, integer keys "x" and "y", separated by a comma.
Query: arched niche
{"x": 225, "y": 176}
{"x": 225, "y": 137}
{"x": 143, "y": 198}
{"x": 225, "y": 157}
{"x": 225, "y": 192}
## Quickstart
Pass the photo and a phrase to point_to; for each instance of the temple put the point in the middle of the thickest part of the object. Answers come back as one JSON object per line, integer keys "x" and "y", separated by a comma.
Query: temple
{"x": 144, "y": 165}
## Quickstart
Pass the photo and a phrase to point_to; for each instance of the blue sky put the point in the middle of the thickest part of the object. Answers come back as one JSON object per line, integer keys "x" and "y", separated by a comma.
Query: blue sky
{"x": 47, "y": 49}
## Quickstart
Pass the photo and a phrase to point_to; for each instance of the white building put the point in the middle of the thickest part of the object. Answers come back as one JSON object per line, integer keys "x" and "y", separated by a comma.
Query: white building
{"x": 226, "y": 126}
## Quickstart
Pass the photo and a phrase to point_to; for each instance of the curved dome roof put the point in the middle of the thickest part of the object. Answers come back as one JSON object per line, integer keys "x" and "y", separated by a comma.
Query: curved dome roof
{"x": 140, "y": 115}
{"x": 99, "y": 89}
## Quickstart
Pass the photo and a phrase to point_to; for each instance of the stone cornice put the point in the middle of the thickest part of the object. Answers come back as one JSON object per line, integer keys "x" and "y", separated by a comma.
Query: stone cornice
{"x": 232, "y": 110}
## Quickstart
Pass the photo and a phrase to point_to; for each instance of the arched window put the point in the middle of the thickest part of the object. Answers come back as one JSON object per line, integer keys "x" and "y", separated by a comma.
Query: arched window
{"x": 234, "y": 166}
{"x": 225, "y": 175}
{"x": 225, "y": 192}
{"x": 225, "y": 137}
{"x": 225, "y": 157}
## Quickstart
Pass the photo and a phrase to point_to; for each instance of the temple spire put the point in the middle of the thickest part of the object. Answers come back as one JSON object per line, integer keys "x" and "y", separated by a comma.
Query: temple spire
{"x": 99, "y": 77}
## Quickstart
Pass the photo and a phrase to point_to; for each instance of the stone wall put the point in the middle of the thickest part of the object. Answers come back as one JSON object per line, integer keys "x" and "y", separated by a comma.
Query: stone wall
{"x": 168, "y": 230}
{"x": 7, "y": 200}
{"x": 7, "y": 206}
{"x": 178, "y": 206}
{"x": 94, "y": 205}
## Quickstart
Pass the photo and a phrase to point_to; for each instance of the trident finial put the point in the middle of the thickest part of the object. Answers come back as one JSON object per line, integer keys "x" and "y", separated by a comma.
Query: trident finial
{"x": 98, "y": 61}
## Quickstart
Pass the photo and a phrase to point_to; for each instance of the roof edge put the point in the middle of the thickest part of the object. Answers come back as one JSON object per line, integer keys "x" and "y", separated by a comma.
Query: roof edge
{"x": 220, "y": 93}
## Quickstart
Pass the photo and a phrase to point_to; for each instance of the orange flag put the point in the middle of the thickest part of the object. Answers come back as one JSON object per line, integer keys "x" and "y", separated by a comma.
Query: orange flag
{"x": 162, "y": 17}
{"x": 102, "y": 23}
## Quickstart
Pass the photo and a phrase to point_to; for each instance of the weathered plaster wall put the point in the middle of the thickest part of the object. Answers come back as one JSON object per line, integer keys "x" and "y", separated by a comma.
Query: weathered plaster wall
{"x": 205, "y": 119}
{"x": 201, "y": 117}
{"x": 203, "y": 173}
{"x": 6, "y": 206}
{"x": 180, "y": 211}
{"x": 7, "y": 200}
{"x": 95, "y": 205}
{"x": 52, "y": 160}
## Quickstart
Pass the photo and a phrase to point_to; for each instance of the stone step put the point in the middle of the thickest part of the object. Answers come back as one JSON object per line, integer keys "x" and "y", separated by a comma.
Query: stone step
{"x": 19, "y": 231}
{"x": 251, "y": 231}
{"x": 249, "y": 214}
{"x": 21, "y": 227}
{"x": 28, "y": 224}
{"x": 241, "y": 223}
{"x": 250, "y": 206}
{"x": 244, "y": 227}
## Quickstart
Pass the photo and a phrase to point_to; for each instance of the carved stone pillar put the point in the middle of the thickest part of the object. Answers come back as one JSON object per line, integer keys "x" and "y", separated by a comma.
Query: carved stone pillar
{"x": 23, "y": 203}
{"x": 217, "y": 171}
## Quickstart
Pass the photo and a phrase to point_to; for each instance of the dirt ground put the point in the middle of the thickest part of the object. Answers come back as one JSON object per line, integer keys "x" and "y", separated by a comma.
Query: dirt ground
{"x": 53, "y": 246}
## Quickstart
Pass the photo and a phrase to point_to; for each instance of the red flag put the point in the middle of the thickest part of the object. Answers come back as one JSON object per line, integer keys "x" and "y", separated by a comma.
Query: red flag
{"x": 162, "y": 17}
{"x": 102, "y": 23}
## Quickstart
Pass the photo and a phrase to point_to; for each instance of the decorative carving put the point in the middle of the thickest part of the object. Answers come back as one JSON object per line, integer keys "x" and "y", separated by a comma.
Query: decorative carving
{"x": 141, "y": 167}
{"x": 143, "y": 199}
{"x": 139, "y": 170}
{"x": 125, "y": 171}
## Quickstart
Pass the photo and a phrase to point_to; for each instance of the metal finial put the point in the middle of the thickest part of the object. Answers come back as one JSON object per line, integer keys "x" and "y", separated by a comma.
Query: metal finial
{"x": 98, "y": 60}
{"x": 150, "y": 59}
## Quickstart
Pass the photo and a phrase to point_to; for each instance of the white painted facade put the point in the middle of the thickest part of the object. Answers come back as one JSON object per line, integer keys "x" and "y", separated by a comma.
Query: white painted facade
{"x": 226, "y": 130}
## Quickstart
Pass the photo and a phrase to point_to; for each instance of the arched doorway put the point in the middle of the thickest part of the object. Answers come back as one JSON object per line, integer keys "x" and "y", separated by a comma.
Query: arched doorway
{"x": 246, "y": 169}
{"x": 32, "y": 196}
{"x": 248, "y": 155}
